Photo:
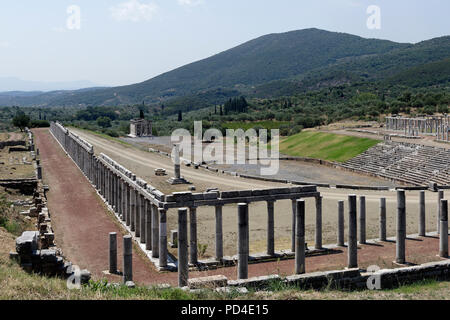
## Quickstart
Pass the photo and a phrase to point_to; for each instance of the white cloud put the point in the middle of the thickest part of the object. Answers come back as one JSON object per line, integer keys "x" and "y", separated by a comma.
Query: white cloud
{"x": 190, "y": 3}
{"x": 133, "y": 10}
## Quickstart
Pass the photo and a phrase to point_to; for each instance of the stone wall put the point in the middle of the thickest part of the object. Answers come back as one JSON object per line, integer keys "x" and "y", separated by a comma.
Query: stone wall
{"x": 36, "y": 251}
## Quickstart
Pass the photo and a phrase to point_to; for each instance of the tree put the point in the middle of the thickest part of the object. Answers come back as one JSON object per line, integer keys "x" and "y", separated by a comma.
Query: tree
{"x": 104, "y": 122}
{"x": 180, "y": 116}
{"x": 141, "y": 114}
{"x": 21, "y": 120}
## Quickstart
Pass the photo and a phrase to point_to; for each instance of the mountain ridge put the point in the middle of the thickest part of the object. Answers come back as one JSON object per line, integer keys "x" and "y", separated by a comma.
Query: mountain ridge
{"x": 309, "y": 57}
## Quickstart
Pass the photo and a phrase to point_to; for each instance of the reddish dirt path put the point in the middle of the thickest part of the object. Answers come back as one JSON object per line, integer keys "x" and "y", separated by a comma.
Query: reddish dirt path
{"x": 82, "y": 223}
{"x": 80, "y": 219}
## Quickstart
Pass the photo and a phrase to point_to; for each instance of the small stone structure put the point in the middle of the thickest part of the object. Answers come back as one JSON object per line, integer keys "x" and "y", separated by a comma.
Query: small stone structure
{"x": 140, "y": 128}
{"x": 413, "y": 127}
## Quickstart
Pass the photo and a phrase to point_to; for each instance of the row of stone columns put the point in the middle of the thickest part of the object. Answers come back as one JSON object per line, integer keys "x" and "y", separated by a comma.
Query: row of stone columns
{"x": 400, "y": 225}
{"x": 144, "y": 218}
{"x": 127, "y": 256}
{"x": 439, "y": 126}
{"x": 318, "y": 224}
{"x": 187, "y": 251}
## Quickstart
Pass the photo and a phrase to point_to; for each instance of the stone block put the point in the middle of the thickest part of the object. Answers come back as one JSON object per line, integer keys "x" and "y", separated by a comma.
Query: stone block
{"x": 182, "y": 196}
{"x": 198, "y": 196}
{"x": 211, "y": 195}
{"x": 261, "y": 192}
{"x": 170, "y": 198}
{"x": 256, "y": 282}
{"x": 211, "y": 282}
{"x": 229, "y": 194}
{"x": 48, "y": 256}
{"x": 245, "y": 193}
{"x": 278, "y": 191}
{"x": 27, "y": 243}
{"x": 159, "y": 195}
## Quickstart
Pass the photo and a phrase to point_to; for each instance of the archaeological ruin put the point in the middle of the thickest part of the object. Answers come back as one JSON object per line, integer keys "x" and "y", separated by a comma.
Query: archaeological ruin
{"x": 142, "y": 210}
{"x": 140, "y": 128}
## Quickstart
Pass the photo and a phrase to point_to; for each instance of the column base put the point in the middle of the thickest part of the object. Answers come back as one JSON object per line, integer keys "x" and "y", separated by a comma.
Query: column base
{"x": 175, "y": 181}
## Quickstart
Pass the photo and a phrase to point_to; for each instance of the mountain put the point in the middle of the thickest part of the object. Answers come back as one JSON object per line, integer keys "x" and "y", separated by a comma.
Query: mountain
{"x": 275, "y": 64}
{"x": 15, "y": 84}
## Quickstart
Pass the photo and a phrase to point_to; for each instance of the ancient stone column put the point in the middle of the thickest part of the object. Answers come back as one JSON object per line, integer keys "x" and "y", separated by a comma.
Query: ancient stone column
{"x": 132, "y": 209}
{"x": 362, "y": 220}
{"x": 294, "y": 210}
{"x": 243, "y": 241}
{"x": 119, "y": 196}
{"x": 318, "y": 242}
{"x": 440, "y": 197}
{"x": 155, "y": 232}
{"x": 219, "y": 233}
{"x": 352, "y": 232}
{"x": 183, "y": 265}
{"x": 177, "y": 163}
{"x": 148, "y": 225}
{"x": 106, "y": 177}
{"x": 137, "y": 218}
{"x": 142, "y": 218}
{"x": 113, "y": 253}
{"x": 162, "y": 238}
{"x": 124, "y": 201}
{"x": 401, "y": 227}
{"x": 443, "y": 237}
{"x": 300, "y": 238}
{"x": 193, "y": 252}
{"x": 341, "y": 225}
{"x": 270, "y": 228}
{"x": 127, "y": 259}
{"x": 422, "y": 217}
{"x": 113, "y": 192}
{"x": 102, "y": 182}
{"x": 129, "y": 206}
{"x": 383, "y": 219}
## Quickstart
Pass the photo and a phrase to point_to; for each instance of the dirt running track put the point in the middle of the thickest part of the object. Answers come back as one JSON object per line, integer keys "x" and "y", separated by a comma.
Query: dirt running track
{"x": 82, "y": 224}
{"x": 80, "y": 219}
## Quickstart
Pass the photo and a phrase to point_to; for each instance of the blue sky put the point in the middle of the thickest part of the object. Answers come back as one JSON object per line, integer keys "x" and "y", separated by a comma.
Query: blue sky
{"x": 128, "y": 41}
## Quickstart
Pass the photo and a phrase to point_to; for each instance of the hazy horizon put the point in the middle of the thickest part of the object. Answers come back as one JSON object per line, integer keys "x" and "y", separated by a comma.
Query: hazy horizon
{"x": 123, "y": 42}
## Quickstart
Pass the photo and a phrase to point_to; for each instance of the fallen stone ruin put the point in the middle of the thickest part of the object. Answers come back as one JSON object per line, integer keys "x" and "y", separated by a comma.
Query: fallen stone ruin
{"x": 36, "y": 251}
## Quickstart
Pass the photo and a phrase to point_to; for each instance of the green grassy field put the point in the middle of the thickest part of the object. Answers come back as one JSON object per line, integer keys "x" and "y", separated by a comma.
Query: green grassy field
{"x": 325, "y": 146}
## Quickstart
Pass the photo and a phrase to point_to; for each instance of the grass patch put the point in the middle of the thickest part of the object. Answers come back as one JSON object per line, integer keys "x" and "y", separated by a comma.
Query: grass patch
{"x": 325, "y": 146}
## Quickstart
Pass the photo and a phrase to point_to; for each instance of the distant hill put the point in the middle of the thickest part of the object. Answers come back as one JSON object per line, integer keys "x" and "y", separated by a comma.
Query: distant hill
{"x": 275, "y": 64}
